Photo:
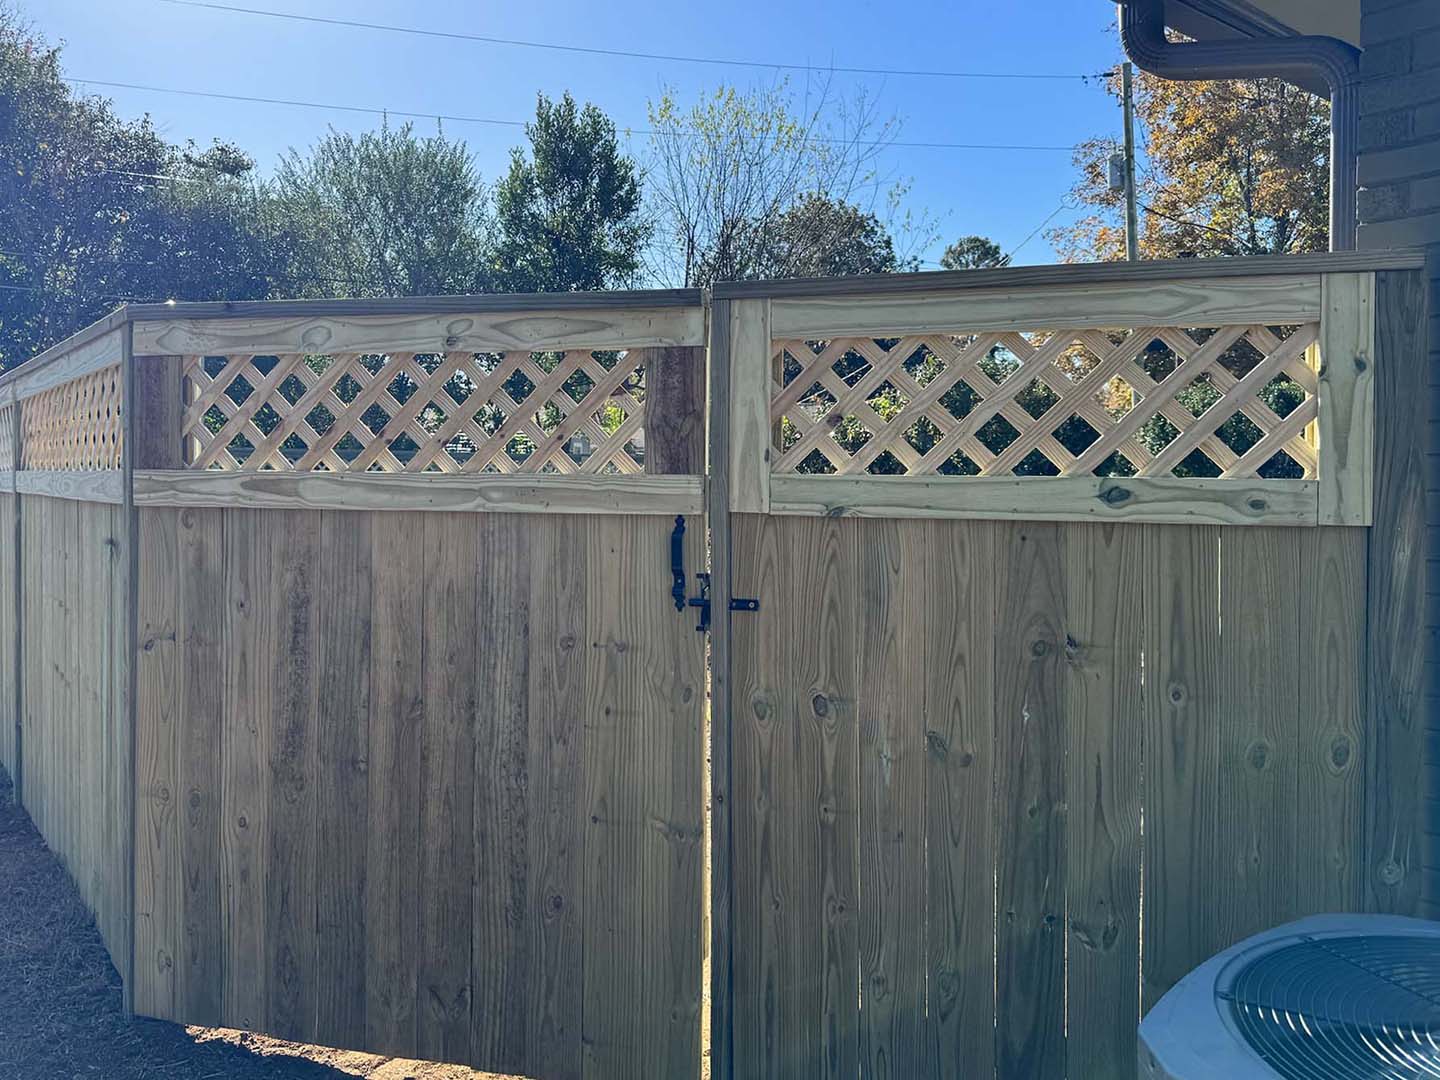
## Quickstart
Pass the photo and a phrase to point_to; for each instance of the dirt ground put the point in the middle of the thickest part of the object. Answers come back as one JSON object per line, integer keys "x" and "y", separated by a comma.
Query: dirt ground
{"x": 60, "y": 1008}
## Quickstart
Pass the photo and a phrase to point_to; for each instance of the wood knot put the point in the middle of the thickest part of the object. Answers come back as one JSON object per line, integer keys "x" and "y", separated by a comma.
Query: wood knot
{"x": 1340, "y": 751}
{"x": 1258, "y": 505}
{"x": 1115, "y": 496}
{"x": 821, "y": 704}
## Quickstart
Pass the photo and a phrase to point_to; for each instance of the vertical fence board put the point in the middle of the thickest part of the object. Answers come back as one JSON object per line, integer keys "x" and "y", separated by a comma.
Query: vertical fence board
{"x": 1256, "y": 827}
{"x": 200, "y": 630}
{"x": 251, "y": 639}
{"x": 1102, "y": 696}
{"x": 890, "y": 681}
{"x": 500, "y": 960}
{"x": 1030, "y": 806}
{"x": 157, "y": 710}
{"x": 1180, "y": 583}
{"x": 1396, "y": 601}
{"x": 9, "y": 632}
{"x": 1330, "y": 756}
{"x": 447, "y": 784}
{"x": 342, "y": 732}
{"x": 959, "y": 594}
{"x": 556, "y": 810}
{"x": 392, "y": 856}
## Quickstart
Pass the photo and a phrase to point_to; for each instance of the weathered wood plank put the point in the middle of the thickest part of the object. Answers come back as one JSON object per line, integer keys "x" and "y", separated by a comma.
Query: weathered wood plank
{"x": 659, "y": 495}
{"x": 1269, "y": 301}
{"x": 1030, "y": 802}
{"x": 1080, "y": 498}
{"x": 158, "y": 411}
{"x": 1396, "y": 603}
{"x": 1332, "y": 738}
{"x": 674, "y": 411}
{"x": 477, "y": 331}
{"x": 81, "y": 485}
{"x": 157, "y": 855}
{"x": 251, "y": 641}
{"x": 501, "y": 968}
{"x": 1346, "y": 422}
{"x": 392, "y": 857}
{"x": 960, "y": 840}
{"x": 447, "y": 788}
{"x": 889, "y": 654}
{"x": 344, "y": 663}
{"x": 1256, "y": 827}
{"x": 1103, "y": 710}
{"x": 50, "y": 370}
{"x": 556, "y": 809}
{"x": 1180, "y": 584}
{"x": 290, "y": 851}
{"x": 749, "y": 412}
{"x": 200, "y": 629}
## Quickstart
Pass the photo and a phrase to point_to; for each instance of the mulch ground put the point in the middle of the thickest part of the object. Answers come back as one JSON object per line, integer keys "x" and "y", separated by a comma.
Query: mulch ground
{"x": 60, "y": 1008}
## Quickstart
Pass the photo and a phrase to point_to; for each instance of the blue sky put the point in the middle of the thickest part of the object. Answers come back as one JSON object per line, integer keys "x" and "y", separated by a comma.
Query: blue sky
{"x": 1003, "y": 194}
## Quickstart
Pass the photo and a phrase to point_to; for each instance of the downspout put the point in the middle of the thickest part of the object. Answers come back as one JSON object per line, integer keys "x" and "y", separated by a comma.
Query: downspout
{"x": 1142, "y": 32}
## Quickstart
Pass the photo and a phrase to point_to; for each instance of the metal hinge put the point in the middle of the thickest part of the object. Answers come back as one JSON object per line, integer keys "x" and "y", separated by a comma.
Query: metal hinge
{"x": 701, "y": 601}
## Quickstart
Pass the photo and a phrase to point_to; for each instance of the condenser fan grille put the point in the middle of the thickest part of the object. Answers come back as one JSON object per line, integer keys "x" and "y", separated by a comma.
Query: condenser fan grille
{"x": 1324, "y": 1007}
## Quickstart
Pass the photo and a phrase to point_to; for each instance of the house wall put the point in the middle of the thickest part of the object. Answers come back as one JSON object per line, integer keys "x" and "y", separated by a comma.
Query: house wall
{"x": 1399, "y": 174}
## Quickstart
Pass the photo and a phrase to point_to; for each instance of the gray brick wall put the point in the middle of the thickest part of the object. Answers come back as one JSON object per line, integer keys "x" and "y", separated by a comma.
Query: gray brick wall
{"x": 1399, "y": 206}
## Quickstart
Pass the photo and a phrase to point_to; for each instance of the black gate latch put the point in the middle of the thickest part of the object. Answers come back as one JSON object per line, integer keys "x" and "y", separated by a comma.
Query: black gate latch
{"x": 677, "y": 585}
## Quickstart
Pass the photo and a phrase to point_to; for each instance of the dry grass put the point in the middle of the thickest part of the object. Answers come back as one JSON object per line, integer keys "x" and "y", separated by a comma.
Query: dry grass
{"x": 60, "y": 1007}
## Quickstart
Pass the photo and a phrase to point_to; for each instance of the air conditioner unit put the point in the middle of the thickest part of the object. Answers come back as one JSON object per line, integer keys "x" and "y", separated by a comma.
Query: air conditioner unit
{"x": 1332, "y": 997}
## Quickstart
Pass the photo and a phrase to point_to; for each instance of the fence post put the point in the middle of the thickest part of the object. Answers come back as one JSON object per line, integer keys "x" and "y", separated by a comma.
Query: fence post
{"x": 675, "y": 410}
{"x": 17, "y": 646}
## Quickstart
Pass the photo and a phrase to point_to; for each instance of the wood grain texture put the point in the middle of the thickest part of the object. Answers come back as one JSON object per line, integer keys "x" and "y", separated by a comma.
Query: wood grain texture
{"x": 958, "y": 713}
{"x": 157, "y": 410}
{"x": 1330, "y": 757}
{"x": 1270, "y": 301}
{"x": 1180, "y": 582}
{"x": 1100, "y": 273}
{"x": 52, "y": 369}
{"x": 94, "y": 486}
{"x": 749, "y": 406}
{"x": 1131, "y": 499}
{"x": 9, "y": 632}
{"x": 1346, "y": 428}
{"x": 1396, "y": 577}
{"x": 1257, "y": 831}
{"x": 475, "y": 331}
{"x": 650, "y": 495}
{"x": 889, "y": 656}
{"x": 1101, "y": 691}
{"x": 1030, "y": 803}
{"x": 674, "y": 410}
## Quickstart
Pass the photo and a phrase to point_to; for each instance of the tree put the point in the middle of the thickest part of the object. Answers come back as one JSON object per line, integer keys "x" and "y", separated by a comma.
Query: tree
{"x": 386, "y": 213}
{"x": 972, "y": 253}
{"x": 568, "y": 214}
{"x": 726, "y": 172}
{"x": 1229, "y": 168}
{"x": 823, "y": 237}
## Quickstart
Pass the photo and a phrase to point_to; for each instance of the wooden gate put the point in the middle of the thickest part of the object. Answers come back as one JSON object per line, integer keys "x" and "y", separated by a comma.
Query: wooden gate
{"x": 1081, "y": 692}
{"x": 414, "y": 778}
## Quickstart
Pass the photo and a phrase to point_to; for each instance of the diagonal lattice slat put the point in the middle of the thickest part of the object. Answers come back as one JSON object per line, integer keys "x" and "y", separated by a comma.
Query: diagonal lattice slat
{"x": 75, "y": 426}
{"x": 1150, "y": 400}
{"x": 520, "y": 412}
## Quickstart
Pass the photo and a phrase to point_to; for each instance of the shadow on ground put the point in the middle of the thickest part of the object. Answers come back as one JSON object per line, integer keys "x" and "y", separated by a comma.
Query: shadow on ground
{"x": 60, "y": 1009}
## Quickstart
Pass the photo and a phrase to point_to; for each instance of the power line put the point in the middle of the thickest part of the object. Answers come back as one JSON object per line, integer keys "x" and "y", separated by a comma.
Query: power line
{"x": 297, "y": 103}
{"x": 627, "y": 54}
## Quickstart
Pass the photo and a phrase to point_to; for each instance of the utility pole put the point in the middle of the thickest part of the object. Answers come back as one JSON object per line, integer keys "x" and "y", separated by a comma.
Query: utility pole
{"x": 1132, "y": 217}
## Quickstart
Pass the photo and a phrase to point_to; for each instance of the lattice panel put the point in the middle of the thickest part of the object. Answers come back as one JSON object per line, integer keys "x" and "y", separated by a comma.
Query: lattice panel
{"x": 7, "y": 437}
{"x": 519, "y": 412}
{"x": 1232, "y": 401}
{"x": 75, "y": 426}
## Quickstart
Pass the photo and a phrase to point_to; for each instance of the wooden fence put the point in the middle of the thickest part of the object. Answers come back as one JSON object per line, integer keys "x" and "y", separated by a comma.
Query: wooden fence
{"x": 351, "y": 664}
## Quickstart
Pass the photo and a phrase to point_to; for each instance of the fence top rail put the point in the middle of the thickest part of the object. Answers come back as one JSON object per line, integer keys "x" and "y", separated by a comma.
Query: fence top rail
{"x": 1011, "y": 277}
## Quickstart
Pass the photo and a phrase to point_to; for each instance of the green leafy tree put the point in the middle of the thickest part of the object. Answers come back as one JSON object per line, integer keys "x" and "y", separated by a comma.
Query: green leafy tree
{"x": 386, "y": 213}
{"x": 972, "y": 253}
{"x": 824, "y": 237}
{"x": 568, "y": 212}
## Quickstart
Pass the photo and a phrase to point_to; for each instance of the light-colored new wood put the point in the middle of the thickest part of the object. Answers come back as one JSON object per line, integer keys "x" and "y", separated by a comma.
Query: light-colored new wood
{"x": 647, "y": 495}
{"x": 537, "y": 331}
{"x": 1269, "y": 301}
{"x": 749, "y": 411}
{"x": 74, "y": 425}
{"x": 1347, "y": 400}
{"x": 1151, "y": 499}
{"x": 86, "y": 358}
{"x": 94, "y": 486}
